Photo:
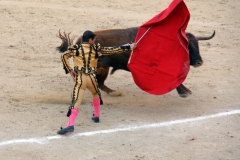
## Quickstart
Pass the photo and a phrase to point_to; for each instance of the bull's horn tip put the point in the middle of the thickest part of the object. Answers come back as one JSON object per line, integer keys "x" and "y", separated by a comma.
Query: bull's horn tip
{"x": 214, "y": 32}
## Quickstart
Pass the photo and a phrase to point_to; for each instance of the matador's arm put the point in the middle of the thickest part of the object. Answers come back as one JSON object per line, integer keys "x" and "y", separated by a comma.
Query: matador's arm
{"x": 65, "y": 56}
{"x": 116, "y": 49}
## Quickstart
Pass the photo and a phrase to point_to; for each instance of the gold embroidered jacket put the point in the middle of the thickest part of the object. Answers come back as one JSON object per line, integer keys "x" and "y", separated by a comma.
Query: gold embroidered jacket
{"x": 85, "y": 56}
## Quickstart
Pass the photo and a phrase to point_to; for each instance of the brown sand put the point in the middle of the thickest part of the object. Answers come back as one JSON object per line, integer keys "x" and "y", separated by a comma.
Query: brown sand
{"x": 35, "y": 91}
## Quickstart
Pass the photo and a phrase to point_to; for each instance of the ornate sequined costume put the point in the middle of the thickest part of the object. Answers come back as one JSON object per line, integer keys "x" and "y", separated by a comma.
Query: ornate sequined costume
{"x": 85, "y": 58}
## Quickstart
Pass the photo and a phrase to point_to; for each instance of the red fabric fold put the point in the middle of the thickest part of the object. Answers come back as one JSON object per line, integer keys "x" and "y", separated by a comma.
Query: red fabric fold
{"x": 160, "y": 63}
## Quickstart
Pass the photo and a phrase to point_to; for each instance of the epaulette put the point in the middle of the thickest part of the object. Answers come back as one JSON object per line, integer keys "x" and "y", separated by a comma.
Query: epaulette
{"x": 75, "y": 47}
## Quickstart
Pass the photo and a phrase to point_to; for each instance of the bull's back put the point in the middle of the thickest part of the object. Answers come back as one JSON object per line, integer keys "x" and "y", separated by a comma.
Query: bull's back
{"x": 116, "y": 37}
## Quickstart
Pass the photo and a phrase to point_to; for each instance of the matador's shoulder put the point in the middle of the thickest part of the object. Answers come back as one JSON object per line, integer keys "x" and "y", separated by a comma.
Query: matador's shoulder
{"x": 73, "y": 47}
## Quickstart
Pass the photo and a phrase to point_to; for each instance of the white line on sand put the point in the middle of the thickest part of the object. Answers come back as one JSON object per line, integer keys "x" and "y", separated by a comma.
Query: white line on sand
{"x": 129, "y": 128}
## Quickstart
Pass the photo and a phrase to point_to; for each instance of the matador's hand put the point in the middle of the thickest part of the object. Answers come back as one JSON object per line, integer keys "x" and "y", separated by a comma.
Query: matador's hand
{"x": 73, "y": 75}
{"x": 133, "y": 46}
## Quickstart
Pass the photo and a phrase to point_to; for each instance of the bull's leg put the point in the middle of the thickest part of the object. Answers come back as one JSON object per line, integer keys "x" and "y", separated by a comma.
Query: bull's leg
{"x": 183, "y": 91}
{"x": 101, "y": 77}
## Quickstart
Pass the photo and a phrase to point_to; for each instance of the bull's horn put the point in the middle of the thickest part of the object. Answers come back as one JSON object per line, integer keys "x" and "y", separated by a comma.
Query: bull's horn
{"x": 205, "y": 37}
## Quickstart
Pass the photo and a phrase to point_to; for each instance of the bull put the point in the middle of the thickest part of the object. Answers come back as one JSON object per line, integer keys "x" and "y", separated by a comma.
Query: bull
{"x": 117, "y": 37}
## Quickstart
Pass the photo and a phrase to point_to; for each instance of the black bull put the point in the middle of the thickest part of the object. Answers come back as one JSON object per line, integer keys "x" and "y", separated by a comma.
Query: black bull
{"x": 117, "y": 37}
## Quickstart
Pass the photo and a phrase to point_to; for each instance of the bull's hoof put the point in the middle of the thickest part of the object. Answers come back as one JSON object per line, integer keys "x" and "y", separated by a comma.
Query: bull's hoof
{"x": 115, "y": 93}
{"x": 185, "y": 95}
{"x": 183, "y": 91}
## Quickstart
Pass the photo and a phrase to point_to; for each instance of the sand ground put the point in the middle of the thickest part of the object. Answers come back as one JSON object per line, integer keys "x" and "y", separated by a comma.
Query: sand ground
{"x": 35, "y": 91}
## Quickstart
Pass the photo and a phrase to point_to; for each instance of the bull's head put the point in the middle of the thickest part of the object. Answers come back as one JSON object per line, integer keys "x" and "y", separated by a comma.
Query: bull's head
{"x": 194, "y": 55}
{"x": 66, "y": 41}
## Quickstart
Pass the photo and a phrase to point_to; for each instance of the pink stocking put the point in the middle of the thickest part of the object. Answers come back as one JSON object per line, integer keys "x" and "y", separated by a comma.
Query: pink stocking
{"x": 72, "y": 117}
{"x": 96, "y": 104}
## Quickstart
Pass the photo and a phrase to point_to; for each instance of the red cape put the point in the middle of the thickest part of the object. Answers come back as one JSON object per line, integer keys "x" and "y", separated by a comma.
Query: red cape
{"x": 160, "y": 63}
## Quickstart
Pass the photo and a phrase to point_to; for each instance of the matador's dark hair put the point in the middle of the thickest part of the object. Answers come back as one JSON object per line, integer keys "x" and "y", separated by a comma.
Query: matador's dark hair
{"x": 87, "y": 35}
